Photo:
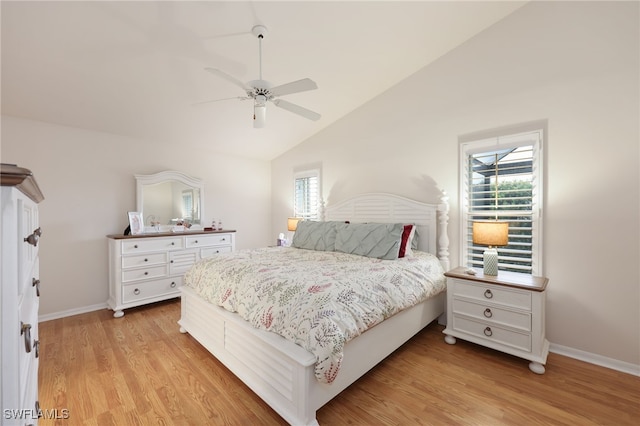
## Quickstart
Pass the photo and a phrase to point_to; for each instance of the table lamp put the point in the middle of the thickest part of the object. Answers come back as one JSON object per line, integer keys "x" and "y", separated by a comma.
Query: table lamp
{"x": 292, "y": 223}
{"x": 492, "y": 234}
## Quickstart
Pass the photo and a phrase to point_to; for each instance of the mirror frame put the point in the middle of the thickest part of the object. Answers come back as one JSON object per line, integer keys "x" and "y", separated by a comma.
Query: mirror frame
{"x": 167, "y": 176}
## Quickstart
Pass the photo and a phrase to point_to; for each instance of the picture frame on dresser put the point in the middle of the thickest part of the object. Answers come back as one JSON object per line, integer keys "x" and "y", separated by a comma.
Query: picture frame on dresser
{"x": 136, "y": 224}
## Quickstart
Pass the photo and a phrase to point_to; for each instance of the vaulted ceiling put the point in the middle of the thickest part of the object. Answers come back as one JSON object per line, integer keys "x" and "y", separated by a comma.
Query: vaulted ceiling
{"x": 137, "y": 68}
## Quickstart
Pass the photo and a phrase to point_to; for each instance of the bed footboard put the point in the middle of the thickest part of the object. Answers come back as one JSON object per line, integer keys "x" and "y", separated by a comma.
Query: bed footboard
{"x": 281, "y": 372}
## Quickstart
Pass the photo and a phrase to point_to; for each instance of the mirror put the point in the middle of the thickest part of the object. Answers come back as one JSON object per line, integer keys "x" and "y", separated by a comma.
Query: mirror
{"x": 167, "y": 198}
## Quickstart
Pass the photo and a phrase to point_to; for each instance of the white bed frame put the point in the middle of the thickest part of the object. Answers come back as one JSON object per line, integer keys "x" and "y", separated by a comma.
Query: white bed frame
{"x": 281, "y": 372}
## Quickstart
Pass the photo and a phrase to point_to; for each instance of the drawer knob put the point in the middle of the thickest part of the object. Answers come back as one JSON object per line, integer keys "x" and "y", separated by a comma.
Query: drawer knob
{"x": 488, "y": 313}
{"x": 488, "y": 294}
{"x": 25, "y": 329}
{"x": 146, "y": 272}
{"x": 172, "y": 243}
{"x": 34, "y": 237}
{"x": 196, "y": 241}
{"x": 136, "y": 291}
{"x": 146, "y": 260}
{"x": 488, "y": 332}
{"x": 173, "y": 285}
{"x": 223, "y": 239}
{"x": 135, "y": 246}
{"x": 36, "y": 283}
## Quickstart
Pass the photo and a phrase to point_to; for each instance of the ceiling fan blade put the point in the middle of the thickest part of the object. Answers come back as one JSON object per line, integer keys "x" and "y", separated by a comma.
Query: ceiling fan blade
{"x": 296, "y": 109}
{"x": 229, "y": 78}
{"x": 294, "y": 87}
{"x": 242, "y": 98}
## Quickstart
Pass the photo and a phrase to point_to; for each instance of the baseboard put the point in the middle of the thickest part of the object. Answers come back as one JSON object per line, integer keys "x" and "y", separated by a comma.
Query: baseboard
{"x": 603, "y": 361}
{"x": 71, "y": 312}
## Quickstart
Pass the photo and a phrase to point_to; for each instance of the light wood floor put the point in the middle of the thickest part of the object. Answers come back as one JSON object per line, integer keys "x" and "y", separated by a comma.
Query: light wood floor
{"x": 139, "y": 370}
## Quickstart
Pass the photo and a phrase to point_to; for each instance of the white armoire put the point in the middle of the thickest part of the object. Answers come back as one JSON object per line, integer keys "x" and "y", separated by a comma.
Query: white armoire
{"x": 19, "y": 293}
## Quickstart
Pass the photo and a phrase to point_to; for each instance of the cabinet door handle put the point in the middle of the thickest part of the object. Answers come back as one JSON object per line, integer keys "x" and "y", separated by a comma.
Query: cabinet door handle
{"x": 36, "y": 346}
{"x": 488, "y": 294}
{"x": 36, "y": 283}
{"x": 136, "y": 291}
{"x": 34, "y": 237}
{"x": 25, "y": 329}
{"x": 488, "y": 313}
{"x": 488, "y": 332}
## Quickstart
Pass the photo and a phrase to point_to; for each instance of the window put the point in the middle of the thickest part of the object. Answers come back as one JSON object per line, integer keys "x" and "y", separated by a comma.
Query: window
{"x": 502, "y": 180}
{"x": 306, "y": 195}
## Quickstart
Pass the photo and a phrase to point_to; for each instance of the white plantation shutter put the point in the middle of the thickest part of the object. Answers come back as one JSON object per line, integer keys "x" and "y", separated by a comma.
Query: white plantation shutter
{"x": 307, "y": 195}
{"x": 502, "y": 179}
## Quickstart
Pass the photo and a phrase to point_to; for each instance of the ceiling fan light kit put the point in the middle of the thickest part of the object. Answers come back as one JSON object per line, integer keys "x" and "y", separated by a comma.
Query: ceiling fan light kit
{"x": 262, "y": 92}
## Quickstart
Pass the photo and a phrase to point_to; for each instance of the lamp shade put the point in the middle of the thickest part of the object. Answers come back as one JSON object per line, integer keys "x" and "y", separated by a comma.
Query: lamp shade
{"x": 491, "y": 233}
{"x": 292, "y": 223}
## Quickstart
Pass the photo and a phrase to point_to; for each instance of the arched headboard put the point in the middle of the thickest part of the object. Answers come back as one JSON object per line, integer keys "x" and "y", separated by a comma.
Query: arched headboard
{"x": 431, "y": 220}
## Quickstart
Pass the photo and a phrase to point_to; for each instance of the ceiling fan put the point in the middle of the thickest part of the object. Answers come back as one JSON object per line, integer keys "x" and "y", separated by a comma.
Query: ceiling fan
{"x": 262, "y": 92}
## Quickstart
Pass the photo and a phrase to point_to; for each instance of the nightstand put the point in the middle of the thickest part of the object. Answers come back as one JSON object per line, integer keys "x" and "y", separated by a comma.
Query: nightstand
{"x": 504, "y": 312}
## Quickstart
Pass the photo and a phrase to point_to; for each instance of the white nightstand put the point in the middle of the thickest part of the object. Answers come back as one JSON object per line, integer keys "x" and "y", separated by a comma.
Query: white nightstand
{"x": 504, "y": 312}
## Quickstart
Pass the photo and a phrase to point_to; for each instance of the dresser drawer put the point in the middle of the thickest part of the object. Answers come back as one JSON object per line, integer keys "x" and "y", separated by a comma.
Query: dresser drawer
{"x": 151, "y": 244}
{"x": 150, "y": 289}
{"x": 144, "y": 273}
{"x": 494, "y": 294}
{"x": 491, "y": 314}
{"x": 492, "y": 333}
{"x": 208, "y": 240}
{"x": 149, "y": 259}
{"x": 212, "y": 251}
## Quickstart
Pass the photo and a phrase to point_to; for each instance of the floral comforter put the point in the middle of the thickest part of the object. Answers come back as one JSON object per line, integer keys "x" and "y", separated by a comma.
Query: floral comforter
{"x": 319, "y": 300}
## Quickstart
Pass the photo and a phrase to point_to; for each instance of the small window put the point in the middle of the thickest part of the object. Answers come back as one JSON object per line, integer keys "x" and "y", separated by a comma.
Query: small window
{"x": 502, "y": 180}
{"x": 306, "y": 195}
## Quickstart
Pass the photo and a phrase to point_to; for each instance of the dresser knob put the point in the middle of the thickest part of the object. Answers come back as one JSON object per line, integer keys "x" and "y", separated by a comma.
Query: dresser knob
{"x": 488, "y": 294}
{"x": 196, "y": 241}
{"x": 36, "y": 283}
{"x": 223, "y": 239}
{"x": 488, "y": 332}
{"x": 146, "y": 272}
{"x": 34, "y": 237}
{"x": 25, "y": 329}
{"x": 173, "y": 244}
{"x": 136, "y": 291}
{"x": 135, "y": 246}
{"x": 488, "y": 313}
{"x": 146, "y": 260}
{"x": 173, "y": 285}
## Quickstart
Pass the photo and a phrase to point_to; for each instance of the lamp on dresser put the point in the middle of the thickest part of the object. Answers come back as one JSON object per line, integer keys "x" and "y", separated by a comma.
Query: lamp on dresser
{"x": 492, "y": 234}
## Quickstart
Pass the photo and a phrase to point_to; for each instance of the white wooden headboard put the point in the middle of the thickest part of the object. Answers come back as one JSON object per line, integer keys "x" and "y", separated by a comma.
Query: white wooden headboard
{"x": 431, "y": 220}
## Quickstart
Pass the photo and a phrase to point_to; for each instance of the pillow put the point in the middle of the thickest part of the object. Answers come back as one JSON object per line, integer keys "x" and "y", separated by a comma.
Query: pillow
{"x": 407, "y": 240}
{"x": 378, "y": 240}
{"x": 311, "y": 235}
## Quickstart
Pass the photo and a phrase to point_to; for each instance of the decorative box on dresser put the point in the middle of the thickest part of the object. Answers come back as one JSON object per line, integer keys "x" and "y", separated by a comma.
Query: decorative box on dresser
{"x": 504, "y": 312}
{"x": 19, "y": 293}
{"x": 148, "y": 268}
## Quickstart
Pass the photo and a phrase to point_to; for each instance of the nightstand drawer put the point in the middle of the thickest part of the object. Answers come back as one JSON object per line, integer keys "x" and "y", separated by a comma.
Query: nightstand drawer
{"x": 521, "y": 341}
{"x": 491, "y": 314}
{"x": 493, "y": 294}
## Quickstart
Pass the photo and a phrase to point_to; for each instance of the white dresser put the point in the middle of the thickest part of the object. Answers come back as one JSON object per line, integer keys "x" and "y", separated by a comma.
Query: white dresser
{"x": 149, "y": 267}
{"x": 504, "y": 312}
{"x": 19, "y": 293}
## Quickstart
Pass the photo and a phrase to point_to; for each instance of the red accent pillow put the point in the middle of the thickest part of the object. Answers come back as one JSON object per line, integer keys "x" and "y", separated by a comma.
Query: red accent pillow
{"x": 405, "y": 242}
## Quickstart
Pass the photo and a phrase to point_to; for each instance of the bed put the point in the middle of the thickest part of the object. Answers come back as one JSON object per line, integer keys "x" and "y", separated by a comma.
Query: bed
{"x": 288, "y": 377}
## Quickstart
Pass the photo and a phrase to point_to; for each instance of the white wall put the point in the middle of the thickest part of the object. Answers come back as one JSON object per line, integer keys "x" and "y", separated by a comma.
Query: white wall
{"x": 88, "y": 183}
{"x": 573, "y": 64}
